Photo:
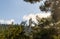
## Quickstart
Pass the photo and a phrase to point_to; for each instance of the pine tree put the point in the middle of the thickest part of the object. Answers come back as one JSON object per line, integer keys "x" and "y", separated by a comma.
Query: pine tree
{"x": 54, "y": 7}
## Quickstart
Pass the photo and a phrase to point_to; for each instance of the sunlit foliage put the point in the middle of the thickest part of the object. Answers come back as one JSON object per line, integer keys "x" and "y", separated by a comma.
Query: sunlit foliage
{"x": 45, "y": 29}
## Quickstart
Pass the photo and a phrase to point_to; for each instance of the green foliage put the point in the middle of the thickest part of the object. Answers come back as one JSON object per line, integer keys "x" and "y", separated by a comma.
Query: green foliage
{"x": 13, "y": 32}
{"x": 17, "y": 31}
{"x": 42, "y": 30}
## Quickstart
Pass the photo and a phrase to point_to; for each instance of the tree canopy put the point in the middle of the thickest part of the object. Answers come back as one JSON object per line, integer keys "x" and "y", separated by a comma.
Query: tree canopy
{"x": 45, "y": 29}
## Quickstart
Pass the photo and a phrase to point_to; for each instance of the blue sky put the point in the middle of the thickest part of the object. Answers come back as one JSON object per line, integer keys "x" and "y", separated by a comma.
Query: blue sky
{"x": 16, "y": 9}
